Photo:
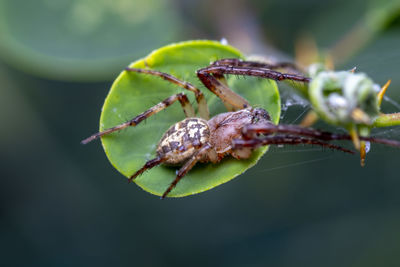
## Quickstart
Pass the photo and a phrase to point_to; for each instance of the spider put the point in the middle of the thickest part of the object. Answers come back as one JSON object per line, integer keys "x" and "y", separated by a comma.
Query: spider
{"x": 237, "y": 132}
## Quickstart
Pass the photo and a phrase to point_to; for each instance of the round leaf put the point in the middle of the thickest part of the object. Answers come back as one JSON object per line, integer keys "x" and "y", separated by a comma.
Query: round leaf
{"x": 133, "y": 93}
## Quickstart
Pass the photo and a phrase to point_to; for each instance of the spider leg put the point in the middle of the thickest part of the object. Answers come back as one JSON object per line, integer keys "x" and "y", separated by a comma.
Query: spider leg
{"x": 286, "y": 139}
{"x": 224, "y": 82}
{"x": 212, "y": 78}
{"x": 200, "y": 99}
{"x": 286, "y": 66}
{"x": 181, "y": 97}
{"x": 148, "y": 165}
{"x": 216, "y": 83}
{"x": 253, "y": 71}
{"x": 186, "y": 168}
{"x": 250, "y": 131}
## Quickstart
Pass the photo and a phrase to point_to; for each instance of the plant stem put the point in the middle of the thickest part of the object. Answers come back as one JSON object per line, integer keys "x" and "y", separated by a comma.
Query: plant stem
{"x": 386, "y": 120}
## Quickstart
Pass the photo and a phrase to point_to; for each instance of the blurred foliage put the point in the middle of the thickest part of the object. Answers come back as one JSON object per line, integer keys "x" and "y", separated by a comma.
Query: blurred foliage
{"x": 82, "y": 39}
{"x": 64, "y": 205}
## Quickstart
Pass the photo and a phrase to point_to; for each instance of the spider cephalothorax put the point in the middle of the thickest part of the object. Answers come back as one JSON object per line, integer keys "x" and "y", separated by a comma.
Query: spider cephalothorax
{"x": 235, "y": 133}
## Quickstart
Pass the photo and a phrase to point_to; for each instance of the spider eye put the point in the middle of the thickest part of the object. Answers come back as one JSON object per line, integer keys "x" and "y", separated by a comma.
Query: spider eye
{"x": 260, "y": 114}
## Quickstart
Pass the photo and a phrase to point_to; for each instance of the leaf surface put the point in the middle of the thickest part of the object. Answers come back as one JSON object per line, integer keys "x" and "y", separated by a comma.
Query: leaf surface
{"x": 133, "y": 93}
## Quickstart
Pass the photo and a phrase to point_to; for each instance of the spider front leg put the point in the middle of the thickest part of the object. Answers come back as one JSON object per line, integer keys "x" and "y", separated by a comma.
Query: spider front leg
{"x": 285, "y": 66}
{"x": 212, "y": 78}
{"x": 181, "y": 97}
{"x": 285, "y": 140}
{"x": 256, "y": 70}
{"x": 217, "y": 84}
{"x": 249, "y": 132}
{"x": 294, "y": 134}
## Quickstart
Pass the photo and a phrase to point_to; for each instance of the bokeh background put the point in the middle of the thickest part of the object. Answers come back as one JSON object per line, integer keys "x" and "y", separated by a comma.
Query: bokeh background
{"x": 63, "y": 204}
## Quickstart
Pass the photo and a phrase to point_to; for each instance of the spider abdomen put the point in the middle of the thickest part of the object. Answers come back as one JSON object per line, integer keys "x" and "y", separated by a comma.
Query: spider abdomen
{"x": 181, "y": 140}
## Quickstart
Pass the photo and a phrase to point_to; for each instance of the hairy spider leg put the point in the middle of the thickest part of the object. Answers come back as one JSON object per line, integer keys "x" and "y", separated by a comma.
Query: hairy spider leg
{"x": 148, "y": 165}
{"x": 216, "y": 83}
{"x": 241, "y": 63}
{"x": 286, "y": 139}
{"x": 187, "y": 167}
{"x": 322, "y": 135}
{"x": 286, "y": 66}
{"x": 181, "y": 97}
{"x": 254, "y": 71}
{"x": 212, "y": 78}
{"x": 200, "y": 99}
{"x": 249, "y": 132}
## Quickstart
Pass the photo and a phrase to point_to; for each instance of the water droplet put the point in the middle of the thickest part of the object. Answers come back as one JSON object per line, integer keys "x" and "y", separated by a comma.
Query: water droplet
{"x": 224, "y": 41}
{"x": 367, "y": 146}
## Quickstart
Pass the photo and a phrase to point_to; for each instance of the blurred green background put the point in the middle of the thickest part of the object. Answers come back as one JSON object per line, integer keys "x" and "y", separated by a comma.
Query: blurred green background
{"x": 63, "y": 204}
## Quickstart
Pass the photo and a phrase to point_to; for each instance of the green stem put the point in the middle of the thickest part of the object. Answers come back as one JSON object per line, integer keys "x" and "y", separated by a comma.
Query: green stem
{"x": 386, "y": 120}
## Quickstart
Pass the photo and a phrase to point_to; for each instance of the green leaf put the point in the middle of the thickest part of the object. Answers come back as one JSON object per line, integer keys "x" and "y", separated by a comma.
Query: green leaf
{"x": 132, "y": 93}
